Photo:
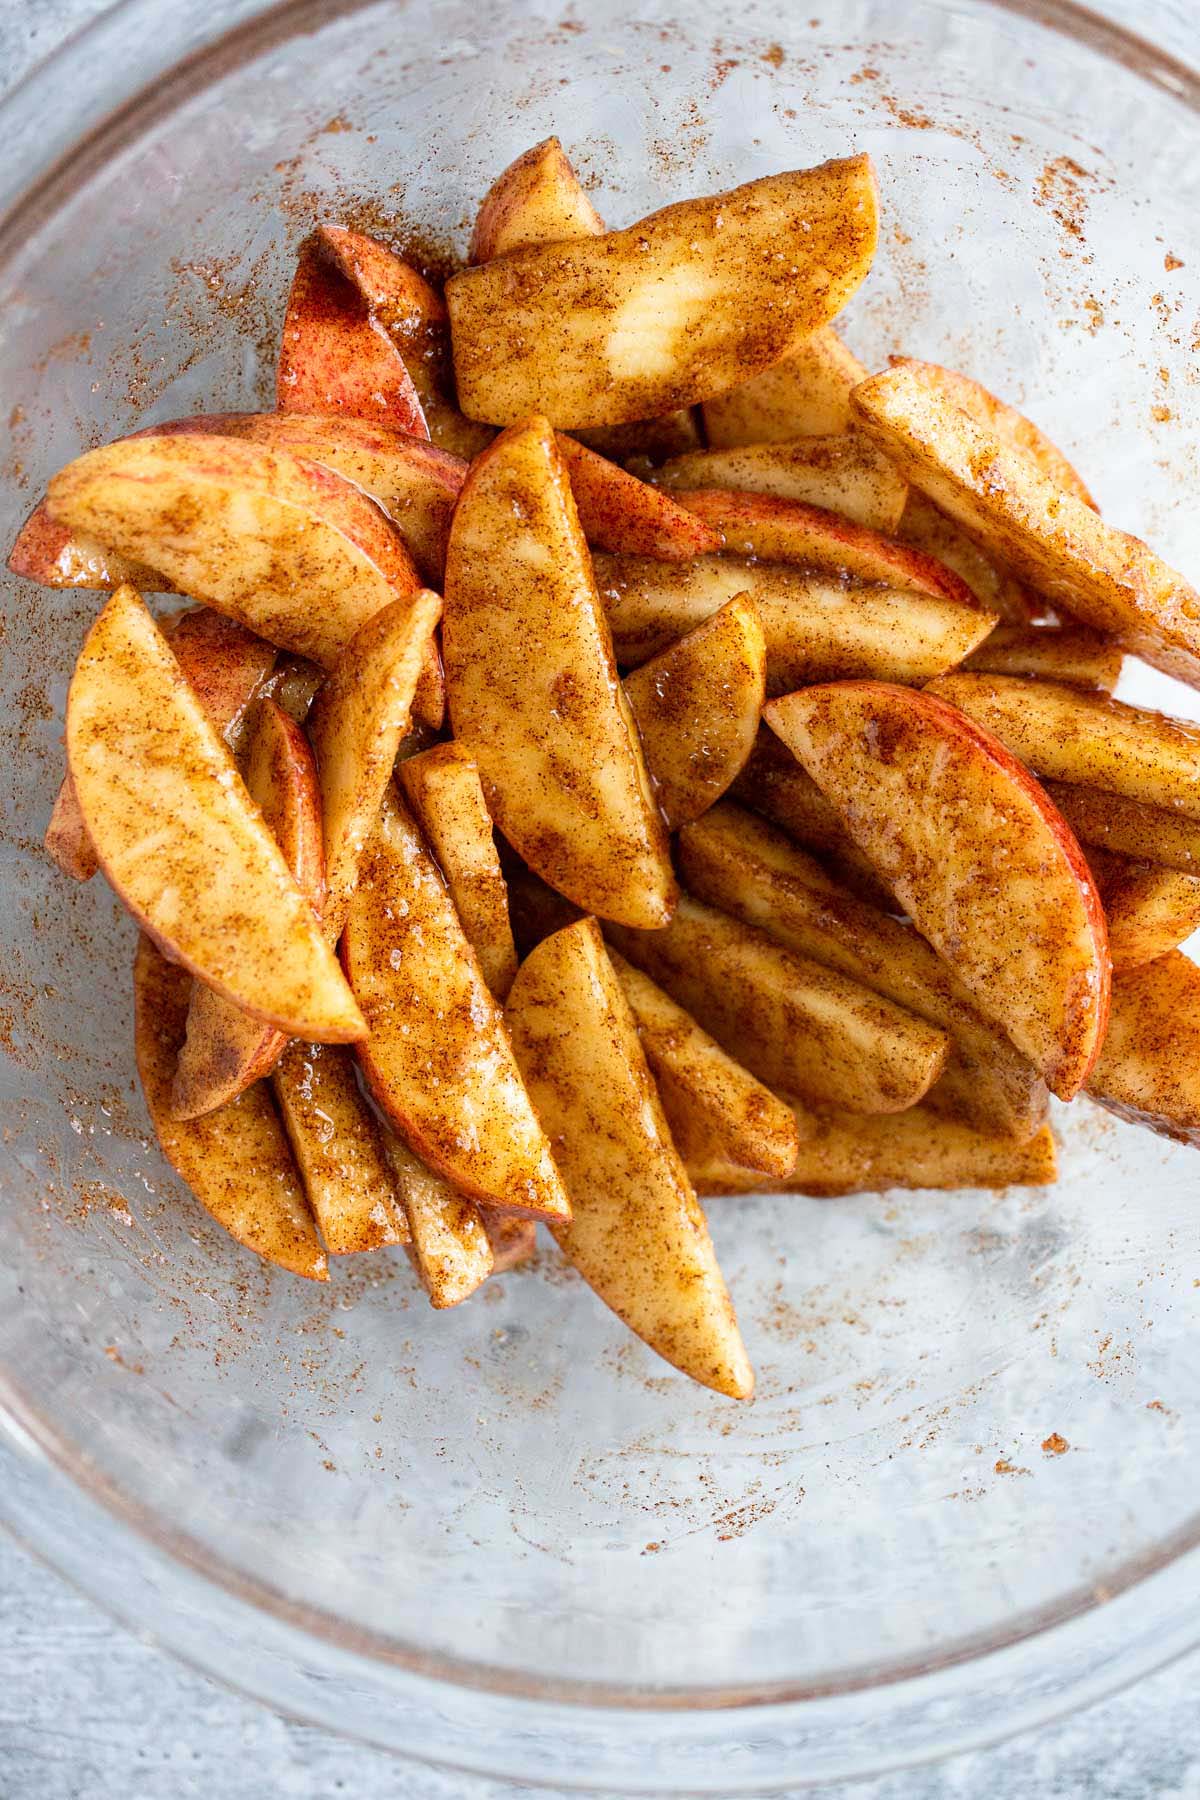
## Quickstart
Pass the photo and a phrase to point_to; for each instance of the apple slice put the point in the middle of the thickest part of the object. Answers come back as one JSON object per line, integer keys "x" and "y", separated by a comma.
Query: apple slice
{"x": 636, "y": 1233}
{"x": 848, "y": 1153}
{"x": 697, "y": 707}
{"x": 225, "y": 1049}
{"x": 1150, "y": 910}
{"x": 53, "y": 556}
{"x": 416, "y": 484}
{"x": 443, "y": 788}
{"x": 817, "y": 627}
{"x": 1129, "y": 828}
{"x": 925, "y": 527}
{"x": 66, "y": 841}
{"x": 706, "y": 1096}
{"x": 681, "y": 306}
{"x": 1012, "y": 427}
{"x": 533, "y": 688}
{"x": 339, "y": 1148}
{"x": 334, "y": 357}
{"x": 450, "y": 1246}
{"x": 1082, "y": 658}
{"x": 978, "y": 857}
{"x": 1149, "y": 1069}
{"x": 537, "y": 200}
{"x": 294, "y": 686}
{"x": 744, "y": 866}
{"x": 1105, "y": 577}
{"x": 845, "y": 475}
{"x": 806, "y": 394}
{"x": 356, "y": 724}
{"x": 620, "y": 513}
{"x": 438, "y": 1059}
{"x": 180, "y": 840}
{"x": 796, "y": 1025}
{"x": 236, "y": 1161}
{"x": 1089, "y": 740}
{"x": 513, "y": 1240}
{"x": 291, "y": 550}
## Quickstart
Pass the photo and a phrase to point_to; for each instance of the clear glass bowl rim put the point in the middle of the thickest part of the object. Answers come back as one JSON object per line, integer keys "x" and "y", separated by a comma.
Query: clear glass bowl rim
{"x": 43, "y": 164}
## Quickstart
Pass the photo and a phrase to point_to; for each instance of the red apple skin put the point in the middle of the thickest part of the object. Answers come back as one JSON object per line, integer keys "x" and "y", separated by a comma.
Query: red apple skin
{"x": 628, "y": 517}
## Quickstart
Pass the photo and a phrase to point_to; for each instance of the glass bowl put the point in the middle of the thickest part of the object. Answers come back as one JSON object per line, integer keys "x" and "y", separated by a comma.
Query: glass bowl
{"x": 508, "y": 1539}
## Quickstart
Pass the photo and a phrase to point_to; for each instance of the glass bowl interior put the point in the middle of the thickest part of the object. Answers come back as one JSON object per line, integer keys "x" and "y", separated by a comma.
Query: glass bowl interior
{"x": 516, "y": 1498}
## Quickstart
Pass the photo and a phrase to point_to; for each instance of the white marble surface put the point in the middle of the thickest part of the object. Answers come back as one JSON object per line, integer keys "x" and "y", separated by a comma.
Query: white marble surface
{"x": 88, "y": 1712}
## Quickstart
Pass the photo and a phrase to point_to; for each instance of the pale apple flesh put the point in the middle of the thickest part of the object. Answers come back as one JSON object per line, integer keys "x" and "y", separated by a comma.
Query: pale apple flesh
{"x": 942, "y": 808}
{"x": 443, "y": 788}
{"x": 806, "y": 394}
{"x": 1128, "y": 827}
{"x": 817, "y": 626}
{"x": 1149, "y": 1069}
{"x": 236, "y": 1161}
{"x": 1150, "y": 910}
{"x": 852, "y": 1153}
{"x": 533, "y": 689}
{"x": 357, "y": 722}
{"x": 538, "y": 199}
{"x": 795, "y": 1024}
{"x": 845, "y": 474}
{"x": 681, "y": 306}
{"x": 180, "y": 840}
{"x": 437, "y": 1056}
{"x": 338, "y": 1146}
{"x": 451, "y": 1250}
{"x": 926, "y": 528}
{"x": 636, "y": 1234}
{"x": 1073, "y": 654}
{"x": 225, "y": 1049}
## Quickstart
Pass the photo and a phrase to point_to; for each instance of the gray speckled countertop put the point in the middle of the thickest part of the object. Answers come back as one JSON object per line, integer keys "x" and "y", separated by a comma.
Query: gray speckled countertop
{"x": 88, "y": 1712}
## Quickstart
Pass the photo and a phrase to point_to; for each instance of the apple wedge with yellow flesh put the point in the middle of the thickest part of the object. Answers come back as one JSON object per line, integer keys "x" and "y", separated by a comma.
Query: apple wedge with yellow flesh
{"x": 817, "y": 627}
{"x": 334, "y": 357}
{"x": 1011, "y": 426}
{"x": 1104, "y": 577}
{"x": 620, "y": 513}
{"x": 533, "y": 689}
{"x": 450, "y": 1247}
{"x": 538, "y": 199}
{"x": 1087, "y": 739}
{"x": 400, "y": 301}
{"x": 1150, "y": 910}
{"x": 706, "y": 1096}
{"x": 339, "y": 1148}
{"x": 741, "y": 864}
{"x": 226, "y": 1049}
{"x": 443, "y": 788}
{"x": 358, "y": 719}
{"x": 287, "y": 547}
{"x": 437, "y": 1057}
{"x": 697, "y": 707}
{"x": 979, "y": 859}
{"x": 56, "y": 557}
{"x": 1149, "y": 1069}
{"x": 681, "y": 306}
{"x": 1129, "y": 828}
{"x": 849, "y": 1153}
{"x": 843, "y": 474}
{"x": 1081, "y": 658}
{"x": 180, "y": 840}
{"x": 925, "y": 527}
{"x": 636, "y": 1234}
{"x": 806, "y": 394}
{"x": 797, "y": 1025}
{"x": 236, "y": 1161}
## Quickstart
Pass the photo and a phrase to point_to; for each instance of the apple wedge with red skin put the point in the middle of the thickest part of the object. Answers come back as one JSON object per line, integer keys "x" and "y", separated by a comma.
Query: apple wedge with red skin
{"x": 1149, "y": 1069}
{"x": 627, "y": 516}
{"x": 225, "y": 1049}
{"x": 181, "y": 841}
{"x": 49, "y": 553}
{"x": 437, "y": 1056}
{"x": 637, "y": 1234}
{"x": 538, "y": 199}
{"x": 980, "y": 860}
{"x": 680, "y": 306}
{"x": 1129, "y": 827}
{"x": 1106, "y": 578}
{"x": 533, "y": 687}
{"x": 844, "y": 474}
{"x": 1150, "y": 910}
{"x": 236, "y": 1161}
{"x": 284, "y": 545}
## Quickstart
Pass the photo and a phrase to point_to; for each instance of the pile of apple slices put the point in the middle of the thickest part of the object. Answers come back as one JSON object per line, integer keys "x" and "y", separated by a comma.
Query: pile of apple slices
{"x": 622, "y": 750}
